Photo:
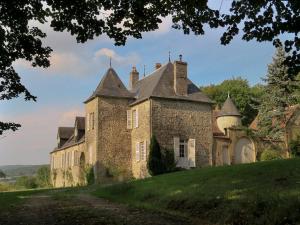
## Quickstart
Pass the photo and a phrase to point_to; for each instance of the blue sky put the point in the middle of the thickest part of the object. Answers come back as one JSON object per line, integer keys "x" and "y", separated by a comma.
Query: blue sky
{"x": 77, "y": 69}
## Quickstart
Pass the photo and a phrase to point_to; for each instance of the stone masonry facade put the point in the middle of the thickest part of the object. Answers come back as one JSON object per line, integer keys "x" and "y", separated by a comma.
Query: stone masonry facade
{"x": 114, "y": 136}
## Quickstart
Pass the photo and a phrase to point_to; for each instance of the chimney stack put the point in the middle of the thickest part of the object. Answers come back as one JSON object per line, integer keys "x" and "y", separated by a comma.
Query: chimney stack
{"x": 134, "y": 77}
{"x": 157, "y": 65}
{"x": 180, "y": 77}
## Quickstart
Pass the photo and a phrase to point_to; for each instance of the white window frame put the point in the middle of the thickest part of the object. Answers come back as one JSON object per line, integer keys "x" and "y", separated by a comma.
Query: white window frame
{"x": 183, "y": 143}
{"x": 129, "y": 119}
{"x": 135, "y": 118}
{"x": 137, "y": 152}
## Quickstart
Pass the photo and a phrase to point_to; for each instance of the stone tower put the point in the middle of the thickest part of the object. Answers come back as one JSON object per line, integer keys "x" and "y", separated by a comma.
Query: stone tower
{"x": 229, "y": 116}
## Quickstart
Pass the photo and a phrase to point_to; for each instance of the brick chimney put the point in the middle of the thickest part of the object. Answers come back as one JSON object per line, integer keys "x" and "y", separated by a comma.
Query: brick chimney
{"x": 157, "y": 65}
{"x": 180, "y": 77}
{"x": 134, "y": 77}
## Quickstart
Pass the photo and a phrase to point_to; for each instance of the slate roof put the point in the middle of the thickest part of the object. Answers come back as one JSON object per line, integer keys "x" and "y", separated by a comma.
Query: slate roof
{"x": 161, "y": 84}
{"x": 65, "y": 132}
{"x": 80, "y": 122}
{"x": 110, "y": 85}
{"x": 229, "y": 109}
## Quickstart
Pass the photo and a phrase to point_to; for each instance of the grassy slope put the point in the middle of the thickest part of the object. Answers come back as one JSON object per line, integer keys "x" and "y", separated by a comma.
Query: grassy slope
{"x": 260, "y": 193}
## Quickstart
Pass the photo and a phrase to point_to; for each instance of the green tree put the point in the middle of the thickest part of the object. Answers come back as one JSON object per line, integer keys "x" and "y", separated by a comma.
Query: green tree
{"x": 43, "y": 177}
{"x": 155, "y": 162}
{"x": 280, "y": 94}
{"x": 27, "y": 182}
{"x": 20, "y": 37}
{"x": 244, "y": 96}
{"x": 2, "y": 174}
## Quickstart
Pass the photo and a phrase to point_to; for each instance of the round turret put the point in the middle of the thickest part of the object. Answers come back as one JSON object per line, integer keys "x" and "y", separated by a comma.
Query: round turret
{"x": 229, "y": 116}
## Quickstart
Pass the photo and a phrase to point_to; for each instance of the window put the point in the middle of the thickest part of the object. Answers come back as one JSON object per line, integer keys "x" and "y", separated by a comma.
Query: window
{"x": 135, "y": 120}
{"x": 137, "y": 151}
{"x": 182, "y": 149}
{"x": 143, "y": 152}
{"x": 93, "y": 121}
{"x": 88, "y": 122}
{"x": 129, "y": 119}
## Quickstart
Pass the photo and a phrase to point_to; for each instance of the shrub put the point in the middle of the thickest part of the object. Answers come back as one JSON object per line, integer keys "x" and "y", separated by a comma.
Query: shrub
{"x": 168, "y": 160}
{"x": 26, "y": 182}
{"x": 155, "y": 162}
{"x": 295, "y": 147}
{"x": 2, "y": 174}
{"x": 270, "y": 154}
{"x": 43, "y": 177}
{"x": 89, "y": 175}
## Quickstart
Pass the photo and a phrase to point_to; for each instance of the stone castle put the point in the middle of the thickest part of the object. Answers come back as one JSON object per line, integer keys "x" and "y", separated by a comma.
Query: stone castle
{"x": 113, "y": 138}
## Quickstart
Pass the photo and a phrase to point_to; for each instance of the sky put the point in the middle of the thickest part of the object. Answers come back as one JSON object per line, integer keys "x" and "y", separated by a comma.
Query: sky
{"x": 76, "y": 69}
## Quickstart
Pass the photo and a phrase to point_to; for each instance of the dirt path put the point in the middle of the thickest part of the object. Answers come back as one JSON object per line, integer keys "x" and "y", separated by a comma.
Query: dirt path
{"x": 82, "y": 210}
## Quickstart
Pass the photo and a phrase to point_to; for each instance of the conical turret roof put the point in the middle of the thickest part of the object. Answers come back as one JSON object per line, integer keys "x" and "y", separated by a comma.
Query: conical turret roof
{"x": 229, "y": 108}
{"x": 111, "y": 86}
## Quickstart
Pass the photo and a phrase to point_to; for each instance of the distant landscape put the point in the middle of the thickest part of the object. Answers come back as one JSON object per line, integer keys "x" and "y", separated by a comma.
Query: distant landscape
{"x": 12, "y": 171}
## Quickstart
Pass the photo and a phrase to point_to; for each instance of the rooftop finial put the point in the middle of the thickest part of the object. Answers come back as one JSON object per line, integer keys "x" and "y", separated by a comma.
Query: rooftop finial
{"x": 180, "y": 57}
{"x": 169, "y": 56}
{"x": 144, "y": 70}
{"x": 110, "y": 62}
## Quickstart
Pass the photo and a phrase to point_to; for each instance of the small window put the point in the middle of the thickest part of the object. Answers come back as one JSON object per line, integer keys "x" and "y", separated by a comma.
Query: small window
{"x": 93, "y": 120}
{"x": 182, "y": 149}
{"x": 143, "y": 150}
{"x": 129, "y": 119}
{"x": 134, "y": 118}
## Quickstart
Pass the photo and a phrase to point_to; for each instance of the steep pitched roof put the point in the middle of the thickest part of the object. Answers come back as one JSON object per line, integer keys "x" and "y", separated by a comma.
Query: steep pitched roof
{"x": 65, "y": 132}
{"x": 161, "y": 84}
{"x": 80, "y": 122}
{"x": 111, "y": 86}
{"x": 229, "y": 109}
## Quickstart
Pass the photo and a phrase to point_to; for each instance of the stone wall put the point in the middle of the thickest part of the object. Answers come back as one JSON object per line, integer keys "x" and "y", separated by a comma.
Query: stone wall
{"x": 185, "y": 120}
{"x": 67, "y": 172}
{"x": 114, "y": 144}
{"x": 140, "y": 134}
{"x": 91, "y": 135}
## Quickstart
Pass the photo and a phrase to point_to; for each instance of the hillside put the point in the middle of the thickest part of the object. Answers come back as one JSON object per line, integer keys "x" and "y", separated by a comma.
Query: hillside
{"x": 259, "y": 193}
{"x": 20, "y": 170}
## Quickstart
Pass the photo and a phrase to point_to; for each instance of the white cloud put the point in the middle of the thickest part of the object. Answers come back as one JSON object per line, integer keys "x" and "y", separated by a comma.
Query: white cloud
{"x": 105, "y": 53}
{"x": 33, "y": 142}
{"x": 70, "y": 63}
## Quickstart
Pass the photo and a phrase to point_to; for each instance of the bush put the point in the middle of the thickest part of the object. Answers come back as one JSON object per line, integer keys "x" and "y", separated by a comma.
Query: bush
{"x": 295, "y": 147}
{"x": 43, "y": 177}
{"x": 168, "y": 160}
{"x": 89, "y": 175}
{"x": 2, "y": 174}
{"x": 270, "y": 154}
{"x": 155, "y": 162}
{"x": 27, "y": 182}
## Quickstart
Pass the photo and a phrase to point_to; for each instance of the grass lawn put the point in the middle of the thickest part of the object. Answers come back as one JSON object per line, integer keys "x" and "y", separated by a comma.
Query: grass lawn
{"x": 258, "y": 193}
{"x": 8, "y": 200}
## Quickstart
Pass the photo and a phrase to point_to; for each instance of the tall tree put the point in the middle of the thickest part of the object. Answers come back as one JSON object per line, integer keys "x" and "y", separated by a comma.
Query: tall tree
{"x": 119, "y": 19}
{"x": 280, "y": 94}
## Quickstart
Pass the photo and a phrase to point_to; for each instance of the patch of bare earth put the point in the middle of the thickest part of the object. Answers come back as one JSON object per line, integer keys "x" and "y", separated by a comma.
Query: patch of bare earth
{"x": 83, "y": 210}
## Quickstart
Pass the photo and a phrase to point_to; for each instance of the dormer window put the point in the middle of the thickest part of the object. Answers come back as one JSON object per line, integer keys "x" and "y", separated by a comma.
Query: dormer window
{"x": 76, "y": 132}
{"x": 58, "y": 141}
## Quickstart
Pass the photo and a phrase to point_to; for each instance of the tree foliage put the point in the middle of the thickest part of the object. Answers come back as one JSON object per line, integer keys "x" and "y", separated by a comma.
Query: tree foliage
{"x": 280, "y": 94}
{"x": 245, "y": 97}
{"x": 43, "y": 177}
{"x": 155, "y": 162}
{"x": 2, "y": 174}
{"x": 20, "y": 37}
